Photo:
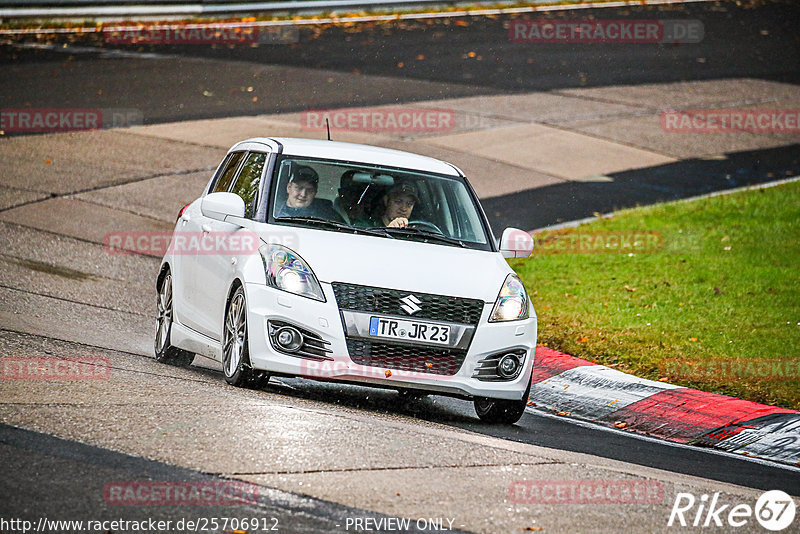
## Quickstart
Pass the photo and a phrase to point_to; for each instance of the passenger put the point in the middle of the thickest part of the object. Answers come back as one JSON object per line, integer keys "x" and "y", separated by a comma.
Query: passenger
{"x": 301, "y": 200}
{"x": 353, "y": 200}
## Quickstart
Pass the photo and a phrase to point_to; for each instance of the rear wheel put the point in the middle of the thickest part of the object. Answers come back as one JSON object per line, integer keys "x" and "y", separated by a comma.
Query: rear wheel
{"x": 501, "y": 411}
{"x": 166, "y": 353}
{"x": 235, "y": 347}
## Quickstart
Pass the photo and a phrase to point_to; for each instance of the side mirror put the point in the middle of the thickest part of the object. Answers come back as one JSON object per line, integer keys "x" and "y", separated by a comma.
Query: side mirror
{"x": 516, "y": 243}
{"x": 220, "y": 206}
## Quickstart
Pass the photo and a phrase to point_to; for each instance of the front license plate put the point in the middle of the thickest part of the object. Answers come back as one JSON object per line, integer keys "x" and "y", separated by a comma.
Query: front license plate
{"x": 409, "y": 330}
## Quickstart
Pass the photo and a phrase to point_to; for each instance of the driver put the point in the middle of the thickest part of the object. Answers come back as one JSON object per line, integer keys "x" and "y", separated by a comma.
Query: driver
{"x": 398, "y": 204}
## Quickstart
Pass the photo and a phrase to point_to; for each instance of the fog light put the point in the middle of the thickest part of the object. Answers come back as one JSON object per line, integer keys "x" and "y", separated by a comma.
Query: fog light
{"x": 289, "y": 339}
{"x": 508, "y": 366}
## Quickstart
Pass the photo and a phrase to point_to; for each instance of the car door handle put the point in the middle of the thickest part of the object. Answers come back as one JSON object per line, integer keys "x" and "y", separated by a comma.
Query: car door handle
{"x": 206, "y": 228}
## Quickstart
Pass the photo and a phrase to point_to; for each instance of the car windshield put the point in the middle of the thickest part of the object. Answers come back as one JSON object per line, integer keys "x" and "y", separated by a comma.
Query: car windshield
{"x": 346, "y": 196}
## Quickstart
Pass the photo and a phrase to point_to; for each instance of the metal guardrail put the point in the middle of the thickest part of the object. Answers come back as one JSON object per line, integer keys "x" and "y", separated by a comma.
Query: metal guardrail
{"x": 130, "y": 9}
{"x": 193, "y": 8}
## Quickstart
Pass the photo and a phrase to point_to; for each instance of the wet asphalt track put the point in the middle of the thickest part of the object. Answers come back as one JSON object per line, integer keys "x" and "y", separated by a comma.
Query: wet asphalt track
{"x": 446, "y": 58}
{"x": 760, "y": 43}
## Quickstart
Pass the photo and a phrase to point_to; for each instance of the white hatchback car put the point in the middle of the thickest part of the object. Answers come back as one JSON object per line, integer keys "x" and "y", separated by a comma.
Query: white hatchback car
{"x": 337, "y": 261}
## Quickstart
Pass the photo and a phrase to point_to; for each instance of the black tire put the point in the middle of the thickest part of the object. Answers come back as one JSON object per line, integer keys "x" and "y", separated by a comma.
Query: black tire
{"x": 235, "y": 347}
{"x": 165, "y": 352}
{"x": 501, "y": 411}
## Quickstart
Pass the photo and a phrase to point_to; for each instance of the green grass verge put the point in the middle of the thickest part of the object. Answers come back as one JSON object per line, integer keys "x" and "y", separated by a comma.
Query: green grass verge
{"x": 713, "y": 303}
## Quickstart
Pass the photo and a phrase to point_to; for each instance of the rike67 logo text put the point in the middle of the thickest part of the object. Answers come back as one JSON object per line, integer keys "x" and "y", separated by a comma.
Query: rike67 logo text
{"x": 774, "y": 510}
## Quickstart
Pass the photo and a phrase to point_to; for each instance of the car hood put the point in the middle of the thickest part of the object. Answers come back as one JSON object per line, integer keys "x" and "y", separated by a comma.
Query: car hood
{"x": 395, "y": 263}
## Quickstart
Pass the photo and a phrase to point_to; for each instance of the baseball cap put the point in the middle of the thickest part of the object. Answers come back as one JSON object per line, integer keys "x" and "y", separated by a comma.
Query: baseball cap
{"x": 304, "y": 173}
{"x": 403, "y": 189}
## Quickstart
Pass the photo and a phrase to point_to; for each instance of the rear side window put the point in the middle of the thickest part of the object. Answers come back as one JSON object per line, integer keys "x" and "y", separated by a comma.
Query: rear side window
{"x": 248, "y": 183}
{"x": 227, "y": 172}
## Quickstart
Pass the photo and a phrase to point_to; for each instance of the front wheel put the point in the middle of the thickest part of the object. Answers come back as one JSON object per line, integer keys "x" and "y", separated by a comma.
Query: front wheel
{"x": 501, "y": 411}
{"x": 235, "y": 347}
{"x": 166, "y": 353}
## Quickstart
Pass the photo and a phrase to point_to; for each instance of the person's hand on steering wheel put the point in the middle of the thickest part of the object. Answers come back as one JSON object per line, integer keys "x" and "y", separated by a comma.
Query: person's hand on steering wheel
{"x": 399, "y": 222}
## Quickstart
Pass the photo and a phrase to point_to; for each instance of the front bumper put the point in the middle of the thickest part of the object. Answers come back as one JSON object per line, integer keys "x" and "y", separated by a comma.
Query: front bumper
{"x": 325, "y": 320}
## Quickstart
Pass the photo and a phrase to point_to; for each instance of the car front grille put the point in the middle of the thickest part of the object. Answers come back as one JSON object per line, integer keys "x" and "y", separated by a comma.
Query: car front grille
{"x": 406, "y": 357}
{"x": 388, "y": 302}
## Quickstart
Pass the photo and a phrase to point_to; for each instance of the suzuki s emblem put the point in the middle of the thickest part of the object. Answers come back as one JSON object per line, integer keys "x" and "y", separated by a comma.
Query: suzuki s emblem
{"x": 410, "y": 304}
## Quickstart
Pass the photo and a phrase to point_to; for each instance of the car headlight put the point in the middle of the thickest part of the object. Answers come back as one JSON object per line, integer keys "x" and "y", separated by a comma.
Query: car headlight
{"x": 289, "y": 272}
{"x": 512, "y": 302}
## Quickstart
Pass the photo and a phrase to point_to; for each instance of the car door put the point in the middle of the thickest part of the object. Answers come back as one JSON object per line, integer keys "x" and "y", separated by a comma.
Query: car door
{"x": 213, "y": 271}
{"x": 190, "y": 224}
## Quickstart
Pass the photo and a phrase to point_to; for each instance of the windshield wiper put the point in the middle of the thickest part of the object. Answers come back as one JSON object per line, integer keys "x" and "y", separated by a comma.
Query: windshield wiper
{"x": 428, "y": 234}
{"x": 319, "y": 221}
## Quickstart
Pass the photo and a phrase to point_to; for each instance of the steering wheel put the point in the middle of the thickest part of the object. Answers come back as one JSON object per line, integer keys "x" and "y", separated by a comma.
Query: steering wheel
{"x": 425, "y": 225}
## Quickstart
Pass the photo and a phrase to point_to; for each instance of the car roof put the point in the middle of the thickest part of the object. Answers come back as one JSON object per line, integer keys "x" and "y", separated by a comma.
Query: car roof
{"x": 320, "y": 148}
